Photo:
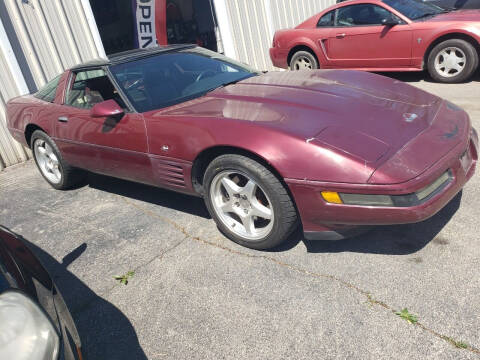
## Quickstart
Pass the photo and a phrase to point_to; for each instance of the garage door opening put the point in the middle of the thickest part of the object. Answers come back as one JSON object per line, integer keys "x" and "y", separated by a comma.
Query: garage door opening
{"x": 121, "y": 23}
{"x": 191, "y": 22}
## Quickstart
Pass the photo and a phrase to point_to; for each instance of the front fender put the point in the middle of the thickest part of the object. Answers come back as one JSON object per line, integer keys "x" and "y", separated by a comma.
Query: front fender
{"x": 425, "y": 40}
{"x": 293, "y": 157}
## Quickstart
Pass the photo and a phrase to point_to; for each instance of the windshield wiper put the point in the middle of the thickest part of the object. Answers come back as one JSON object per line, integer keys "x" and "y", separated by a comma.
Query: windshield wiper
{"x": 426, "y": 15}
{"x": 226, "y": 84}
{"x": 222, "y": 85}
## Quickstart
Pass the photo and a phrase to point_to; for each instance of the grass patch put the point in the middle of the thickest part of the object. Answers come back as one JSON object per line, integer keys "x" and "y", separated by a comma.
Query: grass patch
{"x": 404, "y": 314}
{"x": 123, "y": 279}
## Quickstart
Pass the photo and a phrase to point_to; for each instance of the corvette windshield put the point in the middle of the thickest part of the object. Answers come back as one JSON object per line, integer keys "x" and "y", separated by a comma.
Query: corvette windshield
{"x": 171, "y": 78}
{"x": 413, "y": 9}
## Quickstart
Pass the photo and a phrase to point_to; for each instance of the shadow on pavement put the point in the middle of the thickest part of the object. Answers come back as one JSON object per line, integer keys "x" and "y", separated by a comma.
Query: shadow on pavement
{"x": 157, "y": 196}
{"x": 105, "y": 332}
{"x": 388, "y": 240}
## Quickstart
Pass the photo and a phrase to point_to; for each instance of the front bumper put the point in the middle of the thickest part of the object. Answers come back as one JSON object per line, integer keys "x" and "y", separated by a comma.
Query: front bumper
{"x": 322, "y": 220}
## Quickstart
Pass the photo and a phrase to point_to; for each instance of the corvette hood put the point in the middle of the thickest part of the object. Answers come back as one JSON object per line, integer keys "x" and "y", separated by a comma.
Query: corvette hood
{"x": 368, "y": 117}
{"x": 304, "y": 103}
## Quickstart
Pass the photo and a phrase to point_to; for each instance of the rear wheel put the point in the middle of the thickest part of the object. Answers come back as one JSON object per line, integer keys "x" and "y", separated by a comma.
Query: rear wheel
{"x": 58, "y": 173}
{"x": 303, "y": 60}
{"x": 452, "y": 61}
{"x": 248, "y": 203}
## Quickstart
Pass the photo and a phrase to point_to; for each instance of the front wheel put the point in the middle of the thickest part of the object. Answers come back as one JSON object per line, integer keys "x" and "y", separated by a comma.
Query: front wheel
{"x": 452, "y": 61}
{"x": 248, "y": 203}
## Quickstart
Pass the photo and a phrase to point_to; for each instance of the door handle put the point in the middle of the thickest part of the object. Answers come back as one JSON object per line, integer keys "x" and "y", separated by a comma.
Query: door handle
{"x": 341, "y": 36}
{"x": 63, "y": 119}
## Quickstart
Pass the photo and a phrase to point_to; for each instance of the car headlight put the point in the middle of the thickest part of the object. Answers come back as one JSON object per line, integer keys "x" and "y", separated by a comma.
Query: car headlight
{"x": 25, "y": 331}
{"x": 407, "y": 200}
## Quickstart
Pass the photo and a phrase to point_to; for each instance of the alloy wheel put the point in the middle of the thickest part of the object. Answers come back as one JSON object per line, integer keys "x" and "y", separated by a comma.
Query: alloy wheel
{"x": 47, "y": 161}
{"x": 302, "y": 63}
{"x": 450, "y": 62}
{"x": 242, "y": 205}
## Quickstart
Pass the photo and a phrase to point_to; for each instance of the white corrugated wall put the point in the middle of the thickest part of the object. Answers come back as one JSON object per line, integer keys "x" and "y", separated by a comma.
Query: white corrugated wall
{"x": 247, "y": 26}
{"x": 53, "y": 35}
{"x": 56, "y": 34}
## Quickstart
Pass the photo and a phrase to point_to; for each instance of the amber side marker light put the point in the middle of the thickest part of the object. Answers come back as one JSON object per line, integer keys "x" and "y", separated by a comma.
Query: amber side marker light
{"x": 332, "y": 197}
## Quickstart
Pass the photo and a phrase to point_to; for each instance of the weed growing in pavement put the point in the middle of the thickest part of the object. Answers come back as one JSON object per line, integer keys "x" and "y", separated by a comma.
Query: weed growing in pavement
{"x": 123, "y": 279}
{"x": 404, "y": 314}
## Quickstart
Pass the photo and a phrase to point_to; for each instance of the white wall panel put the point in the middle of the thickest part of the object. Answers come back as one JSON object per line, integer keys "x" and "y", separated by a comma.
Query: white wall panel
{"x": 53, "y": 35}
{"x": 250, "y": 25}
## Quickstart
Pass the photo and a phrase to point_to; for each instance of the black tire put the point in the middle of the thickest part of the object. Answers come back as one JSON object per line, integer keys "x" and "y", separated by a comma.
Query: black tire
{"x": 471, "y": 63}
{"x": 305, "y": 57}
{"x": 284, "y": 212}
{"x": 70, "y": 177}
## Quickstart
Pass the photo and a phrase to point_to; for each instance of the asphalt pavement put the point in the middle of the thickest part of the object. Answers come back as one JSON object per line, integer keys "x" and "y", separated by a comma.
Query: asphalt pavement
{"x": 196, "y": 295}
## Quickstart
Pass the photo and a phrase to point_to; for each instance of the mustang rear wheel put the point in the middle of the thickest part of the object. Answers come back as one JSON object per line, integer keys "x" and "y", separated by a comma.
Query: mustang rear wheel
{"x": 248, "y": 203}
{"x": 452, "y": 61}
{"x": 303, "y": 60}
{"x": 49, "y": 161}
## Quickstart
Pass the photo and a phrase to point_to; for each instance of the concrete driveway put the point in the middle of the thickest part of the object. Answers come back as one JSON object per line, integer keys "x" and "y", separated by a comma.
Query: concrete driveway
{"x": 196, "y": 295}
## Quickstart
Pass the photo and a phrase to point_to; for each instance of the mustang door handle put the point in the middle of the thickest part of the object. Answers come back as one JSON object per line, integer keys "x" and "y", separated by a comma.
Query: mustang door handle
{"x": 63, "y": 119}
{"x": 341, "y": 36}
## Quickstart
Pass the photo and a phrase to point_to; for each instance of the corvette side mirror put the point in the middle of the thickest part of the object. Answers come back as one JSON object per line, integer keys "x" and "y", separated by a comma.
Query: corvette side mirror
{"x": 105, "y": 109}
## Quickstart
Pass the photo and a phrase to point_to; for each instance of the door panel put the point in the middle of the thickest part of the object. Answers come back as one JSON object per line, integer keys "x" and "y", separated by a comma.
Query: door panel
{"x": 371, "y": 46}
{"x": 110, "y": 146}
{"x": 359, "y": 39}
{"x": 115, "y": 145}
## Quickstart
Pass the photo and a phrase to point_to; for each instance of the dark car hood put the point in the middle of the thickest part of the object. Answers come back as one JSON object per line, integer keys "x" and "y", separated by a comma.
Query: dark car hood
{"x": 367, "y": 116}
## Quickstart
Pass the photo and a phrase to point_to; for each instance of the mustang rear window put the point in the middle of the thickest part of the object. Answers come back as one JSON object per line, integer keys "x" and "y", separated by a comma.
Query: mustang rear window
{"x": 48, "y": 92}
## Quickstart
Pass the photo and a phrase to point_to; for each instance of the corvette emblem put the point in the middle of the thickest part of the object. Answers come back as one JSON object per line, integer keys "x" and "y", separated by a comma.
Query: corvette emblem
{"x": 409, "y": 117}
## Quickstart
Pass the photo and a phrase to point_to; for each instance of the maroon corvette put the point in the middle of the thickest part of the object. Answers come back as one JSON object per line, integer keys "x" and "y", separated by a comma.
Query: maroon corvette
{"x": 328, "y": 150}
{"x": 384, "y": 35}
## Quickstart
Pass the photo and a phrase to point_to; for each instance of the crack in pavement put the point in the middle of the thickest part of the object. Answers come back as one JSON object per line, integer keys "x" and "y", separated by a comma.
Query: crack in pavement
{"x": 79, "y": 309}
{"x": 298, "y": 269}
{"x": 86, "y": 305}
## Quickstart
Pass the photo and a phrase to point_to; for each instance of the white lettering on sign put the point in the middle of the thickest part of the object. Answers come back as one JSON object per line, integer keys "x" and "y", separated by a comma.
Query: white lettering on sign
{"x": 146, "y": 23}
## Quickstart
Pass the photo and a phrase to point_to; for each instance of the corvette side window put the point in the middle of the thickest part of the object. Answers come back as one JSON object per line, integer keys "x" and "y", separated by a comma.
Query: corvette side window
{"x": 90, "y": 87}
{"x": 362, "y": 15}
{"x": 48, "y": 92}
{"x": 326, "y": 20}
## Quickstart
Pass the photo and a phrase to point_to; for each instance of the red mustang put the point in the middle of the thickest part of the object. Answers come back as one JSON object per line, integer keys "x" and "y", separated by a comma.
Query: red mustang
{"x": 330, "y": 150}
{"x": 388, "y": 35}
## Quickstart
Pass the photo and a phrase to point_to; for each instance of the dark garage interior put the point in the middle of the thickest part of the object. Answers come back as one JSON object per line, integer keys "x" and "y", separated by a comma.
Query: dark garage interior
{"x": 187, "y": 22}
